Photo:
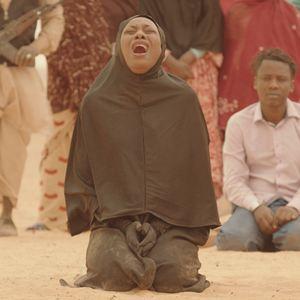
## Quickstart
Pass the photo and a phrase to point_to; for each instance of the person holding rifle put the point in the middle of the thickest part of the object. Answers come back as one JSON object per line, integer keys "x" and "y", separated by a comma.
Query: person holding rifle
{"x": 23, "y": 101}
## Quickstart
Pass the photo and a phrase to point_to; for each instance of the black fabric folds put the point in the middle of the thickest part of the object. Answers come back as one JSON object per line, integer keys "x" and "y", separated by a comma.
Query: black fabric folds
{"x": 187, "y": 23}
{"x": 140, "y": 145}
{"x": 116, "y": 11}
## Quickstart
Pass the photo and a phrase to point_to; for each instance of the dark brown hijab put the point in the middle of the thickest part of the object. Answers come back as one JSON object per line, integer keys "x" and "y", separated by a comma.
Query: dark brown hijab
{"x": 187, "y": 23}
{"x": 140, "y": 145}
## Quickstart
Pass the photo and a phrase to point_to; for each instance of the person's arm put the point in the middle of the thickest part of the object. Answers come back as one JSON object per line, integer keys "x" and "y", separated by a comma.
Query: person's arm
{"x": 290, "y": 212}
{"x": 236, "y": 178}
{"x": 295, "y": 202}
{"x": 236, "y": 170}
{"x": 190, "y": 56}
{"x": 48, "y": 39}
{"x": 51, "y": 31}
{"x": 80, "y": 194}
{"x": 208, "y": 34}
{"x": 178, "y": 67}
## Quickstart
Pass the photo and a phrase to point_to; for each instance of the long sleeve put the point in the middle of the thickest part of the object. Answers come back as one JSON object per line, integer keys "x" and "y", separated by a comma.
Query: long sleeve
{"x": 52, "y": 29}
{"x": 236, "y": 171}
{"x": 208, "y": 35}
{"x": 295, "y": 202}
{"x": 81, "y": 199}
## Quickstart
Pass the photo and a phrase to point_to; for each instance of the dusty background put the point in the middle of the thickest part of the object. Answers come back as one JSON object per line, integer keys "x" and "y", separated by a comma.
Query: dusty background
{"x": 32, "y": 263}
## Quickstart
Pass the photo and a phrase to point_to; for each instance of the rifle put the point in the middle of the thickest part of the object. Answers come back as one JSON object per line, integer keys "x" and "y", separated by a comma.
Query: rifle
{"x": 17, "y": 26}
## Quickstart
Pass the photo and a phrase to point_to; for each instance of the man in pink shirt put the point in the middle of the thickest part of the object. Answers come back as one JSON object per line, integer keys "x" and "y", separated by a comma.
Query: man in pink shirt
{"x": 262, "y": 163}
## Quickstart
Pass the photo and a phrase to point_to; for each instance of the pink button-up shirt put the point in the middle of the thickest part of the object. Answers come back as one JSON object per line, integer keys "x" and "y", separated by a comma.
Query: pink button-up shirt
{"x": 261, "y": 160}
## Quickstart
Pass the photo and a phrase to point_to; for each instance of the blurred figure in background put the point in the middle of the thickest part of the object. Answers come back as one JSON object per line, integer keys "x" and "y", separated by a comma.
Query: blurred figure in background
{"x": 90, "y": 29}
{"x": 23, "y": 103}
{"x": 250, "y": 26}
{"x": 194, "y": 39}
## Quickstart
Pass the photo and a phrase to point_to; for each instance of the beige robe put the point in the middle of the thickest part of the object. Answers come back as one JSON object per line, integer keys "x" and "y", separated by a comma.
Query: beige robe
{"x": 23, "y": 105}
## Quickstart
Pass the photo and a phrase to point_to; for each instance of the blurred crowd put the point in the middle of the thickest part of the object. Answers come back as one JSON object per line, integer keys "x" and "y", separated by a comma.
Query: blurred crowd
{"x": 210, "y": 44}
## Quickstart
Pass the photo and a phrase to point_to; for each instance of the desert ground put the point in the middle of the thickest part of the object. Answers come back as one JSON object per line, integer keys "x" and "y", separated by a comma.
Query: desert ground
{"x": 32, "y": 264}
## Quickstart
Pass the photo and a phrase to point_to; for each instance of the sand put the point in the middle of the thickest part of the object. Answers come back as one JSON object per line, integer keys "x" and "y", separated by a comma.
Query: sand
{"x": 32, "y": 263}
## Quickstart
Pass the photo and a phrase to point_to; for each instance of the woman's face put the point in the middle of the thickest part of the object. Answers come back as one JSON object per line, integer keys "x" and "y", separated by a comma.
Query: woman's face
{"x": 140, "y": 45}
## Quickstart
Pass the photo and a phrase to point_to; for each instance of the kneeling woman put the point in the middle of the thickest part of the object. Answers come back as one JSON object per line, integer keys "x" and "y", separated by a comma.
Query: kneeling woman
{"x": 138, "y": 174}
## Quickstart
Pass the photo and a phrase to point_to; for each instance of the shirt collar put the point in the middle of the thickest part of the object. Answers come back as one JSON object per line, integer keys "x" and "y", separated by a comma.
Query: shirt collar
{"x": 291, "y": 111}
{"x": 257, "y": 113}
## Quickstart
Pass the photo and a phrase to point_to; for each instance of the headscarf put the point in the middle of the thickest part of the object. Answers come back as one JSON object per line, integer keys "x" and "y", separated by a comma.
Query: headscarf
{"x": 140, "y": 146}
{"x": 187, "y": 24}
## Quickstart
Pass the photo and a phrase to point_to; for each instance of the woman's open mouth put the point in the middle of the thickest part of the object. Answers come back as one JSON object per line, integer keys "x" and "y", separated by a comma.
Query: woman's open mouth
{"x": 140, "y": 49}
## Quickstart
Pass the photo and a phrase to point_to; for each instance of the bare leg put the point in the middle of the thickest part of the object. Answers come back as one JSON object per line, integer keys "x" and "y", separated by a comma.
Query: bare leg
{"x": 7, "y": 226}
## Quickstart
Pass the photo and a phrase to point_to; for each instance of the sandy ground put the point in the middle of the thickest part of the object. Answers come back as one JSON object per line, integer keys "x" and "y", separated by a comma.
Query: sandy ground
{"x": 32, "y": 263}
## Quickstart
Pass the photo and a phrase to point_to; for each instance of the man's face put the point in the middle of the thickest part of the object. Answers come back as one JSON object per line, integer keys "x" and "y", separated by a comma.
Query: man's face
{"x": 273, "y": 83}
{"x": 140, "y": 45}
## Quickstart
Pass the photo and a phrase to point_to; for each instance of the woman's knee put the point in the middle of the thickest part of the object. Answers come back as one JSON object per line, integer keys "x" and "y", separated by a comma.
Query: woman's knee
{"x": 108, "y": 281}
{"x": 172, "y": 277}
{"x": 168, "y": 279}
{"x": 104, "y": 245}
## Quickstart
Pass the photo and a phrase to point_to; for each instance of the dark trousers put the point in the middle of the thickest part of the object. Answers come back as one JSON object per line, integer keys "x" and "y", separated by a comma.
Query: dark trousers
{"x": 171, "y": 266}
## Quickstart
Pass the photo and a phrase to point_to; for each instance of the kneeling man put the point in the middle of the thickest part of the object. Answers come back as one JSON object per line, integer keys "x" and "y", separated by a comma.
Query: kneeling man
{"x": 262, "y": 163}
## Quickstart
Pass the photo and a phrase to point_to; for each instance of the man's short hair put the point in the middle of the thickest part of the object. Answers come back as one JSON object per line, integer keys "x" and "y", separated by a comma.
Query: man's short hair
{"x": 273, "y": 54}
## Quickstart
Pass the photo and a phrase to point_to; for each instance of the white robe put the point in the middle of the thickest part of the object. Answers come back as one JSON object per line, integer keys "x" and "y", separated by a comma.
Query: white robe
{"x": 23, "y": 105}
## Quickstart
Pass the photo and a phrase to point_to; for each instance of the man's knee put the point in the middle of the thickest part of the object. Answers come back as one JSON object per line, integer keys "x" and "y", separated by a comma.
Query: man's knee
{"x": 288, "y": 237}
{"x": 237, "y": 240}
{"x": 240, "y": 233}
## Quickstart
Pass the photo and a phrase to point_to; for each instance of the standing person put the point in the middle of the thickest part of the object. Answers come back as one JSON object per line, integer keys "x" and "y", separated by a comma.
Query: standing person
{"x": 139, "y": 174}
{"x": 194, "y": 38}
{"x": 250, "y": 26}
{"x": 90, "y": 29}
{"x": 262, "y": 163}
{"x": 23, "y": 103}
